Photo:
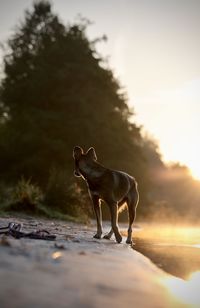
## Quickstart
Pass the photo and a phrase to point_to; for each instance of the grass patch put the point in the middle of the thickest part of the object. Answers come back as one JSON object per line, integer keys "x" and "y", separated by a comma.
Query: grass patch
{"x": 63, "y": 203}
{"x": 41, "y": 212}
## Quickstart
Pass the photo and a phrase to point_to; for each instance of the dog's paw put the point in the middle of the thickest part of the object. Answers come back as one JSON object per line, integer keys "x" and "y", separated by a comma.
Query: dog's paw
{"x": 118, "y": 237}
{"x": 98, "y": 236}
{"x": 129, "y": 241}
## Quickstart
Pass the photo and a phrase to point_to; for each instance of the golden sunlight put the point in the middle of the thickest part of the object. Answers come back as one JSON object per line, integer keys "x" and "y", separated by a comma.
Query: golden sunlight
{"x": 56, "y": 255}
{"x": 184, "y": 291}
{"x": 195, "y": 171}
{"x": 170, "y": 234}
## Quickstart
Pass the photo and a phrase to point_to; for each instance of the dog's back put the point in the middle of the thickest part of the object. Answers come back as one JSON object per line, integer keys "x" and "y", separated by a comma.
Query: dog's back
{"x": 111, "y": 185}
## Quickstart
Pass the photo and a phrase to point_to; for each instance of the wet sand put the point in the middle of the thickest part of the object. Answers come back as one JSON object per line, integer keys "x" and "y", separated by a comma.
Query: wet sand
{"x": 174, "y": 249}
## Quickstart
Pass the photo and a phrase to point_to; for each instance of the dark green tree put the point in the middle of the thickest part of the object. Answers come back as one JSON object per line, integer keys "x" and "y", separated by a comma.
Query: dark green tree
{"x": 57, "y": 95}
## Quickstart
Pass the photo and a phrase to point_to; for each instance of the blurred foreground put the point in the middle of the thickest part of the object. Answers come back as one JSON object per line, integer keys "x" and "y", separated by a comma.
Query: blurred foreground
{"x": 78, "y": 271}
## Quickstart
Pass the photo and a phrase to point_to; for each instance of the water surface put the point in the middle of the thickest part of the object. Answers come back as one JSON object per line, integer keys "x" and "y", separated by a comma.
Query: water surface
{"x": 173, "y": 248}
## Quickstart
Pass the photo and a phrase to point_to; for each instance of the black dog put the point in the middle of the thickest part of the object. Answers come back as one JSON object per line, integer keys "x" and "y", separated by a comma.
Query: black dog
{"x": 112, "y": 186}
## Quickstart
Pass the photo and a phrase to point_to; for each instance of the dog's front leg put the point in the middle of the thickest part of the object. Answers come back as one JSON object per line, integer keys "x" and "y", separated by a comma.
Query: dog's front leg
{"x": 114, "y": 220}
{"x": 97, "y": 210}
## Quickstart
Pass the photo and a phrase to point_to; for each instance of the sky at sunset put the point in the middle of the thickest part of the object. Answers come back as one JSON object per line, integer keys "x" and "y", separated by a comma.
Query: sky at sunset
{"x": 153, "y": 48}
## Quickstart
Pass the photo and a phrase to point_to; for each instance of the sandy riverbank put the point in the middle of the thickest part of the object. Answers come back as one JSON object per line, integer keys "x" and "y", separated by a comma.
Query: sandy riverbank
{"x": 77, "y": 271}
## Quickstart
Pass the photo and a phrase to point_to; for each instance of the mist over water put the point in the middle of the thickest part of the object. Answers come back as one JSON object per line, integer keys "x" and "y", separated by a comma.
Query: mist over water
{"x": 175, "y": 248}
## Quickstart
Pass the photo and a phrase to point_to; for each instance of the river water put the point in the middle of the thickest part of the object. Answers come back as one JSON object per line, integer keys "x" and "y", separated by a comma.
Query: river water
{"x": 173, "y": 248}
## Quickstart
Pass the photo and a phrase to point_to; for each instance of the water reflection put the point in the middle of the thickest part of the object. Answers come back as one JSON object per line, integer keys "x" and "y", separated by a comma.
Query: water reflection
{"x": 186, "y": 291}
{"x": 175, "y": 249}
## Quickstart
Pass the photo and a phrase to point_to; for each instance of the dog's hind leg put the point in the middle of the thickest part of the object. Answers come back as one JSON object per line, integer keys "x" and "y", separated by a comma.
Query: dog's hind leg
{"x": 133, "y": 198}
{"x": 110, "y": 233}
{"x": 114, "y": 220}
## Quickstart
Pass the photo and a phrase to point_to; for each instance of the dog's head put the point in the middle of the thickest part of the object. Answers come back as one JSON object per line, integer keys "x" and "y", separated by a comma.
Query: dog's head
{"x": 83, "y": 160}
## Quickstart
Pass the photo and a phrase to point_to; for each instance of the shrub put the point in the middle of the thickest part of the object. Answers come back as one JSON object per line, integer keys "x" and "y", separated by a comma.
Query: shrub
{"x": 65, "y": 195}
{"x": 25, "y": 196}
{"x": 63, "y": 198}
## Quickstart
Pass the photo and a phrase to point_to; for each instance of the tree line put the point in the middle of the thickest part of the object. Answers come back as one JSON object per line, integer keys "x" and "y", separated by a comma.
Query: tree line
{"x": 57, "y": 92}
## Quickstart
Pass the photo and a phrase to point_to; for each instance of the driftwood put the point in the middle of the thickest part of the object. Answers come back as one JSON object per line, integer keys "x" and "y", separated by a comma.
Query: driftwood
{"x": 15, "y": 230}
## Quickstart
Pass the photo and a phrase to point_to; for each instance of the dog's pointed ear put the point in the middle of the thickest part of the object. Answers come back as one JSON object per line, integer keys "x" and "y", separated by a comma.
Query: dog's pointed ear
{"x": 77, "y": 152}
{"x": 91, "y": 152}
